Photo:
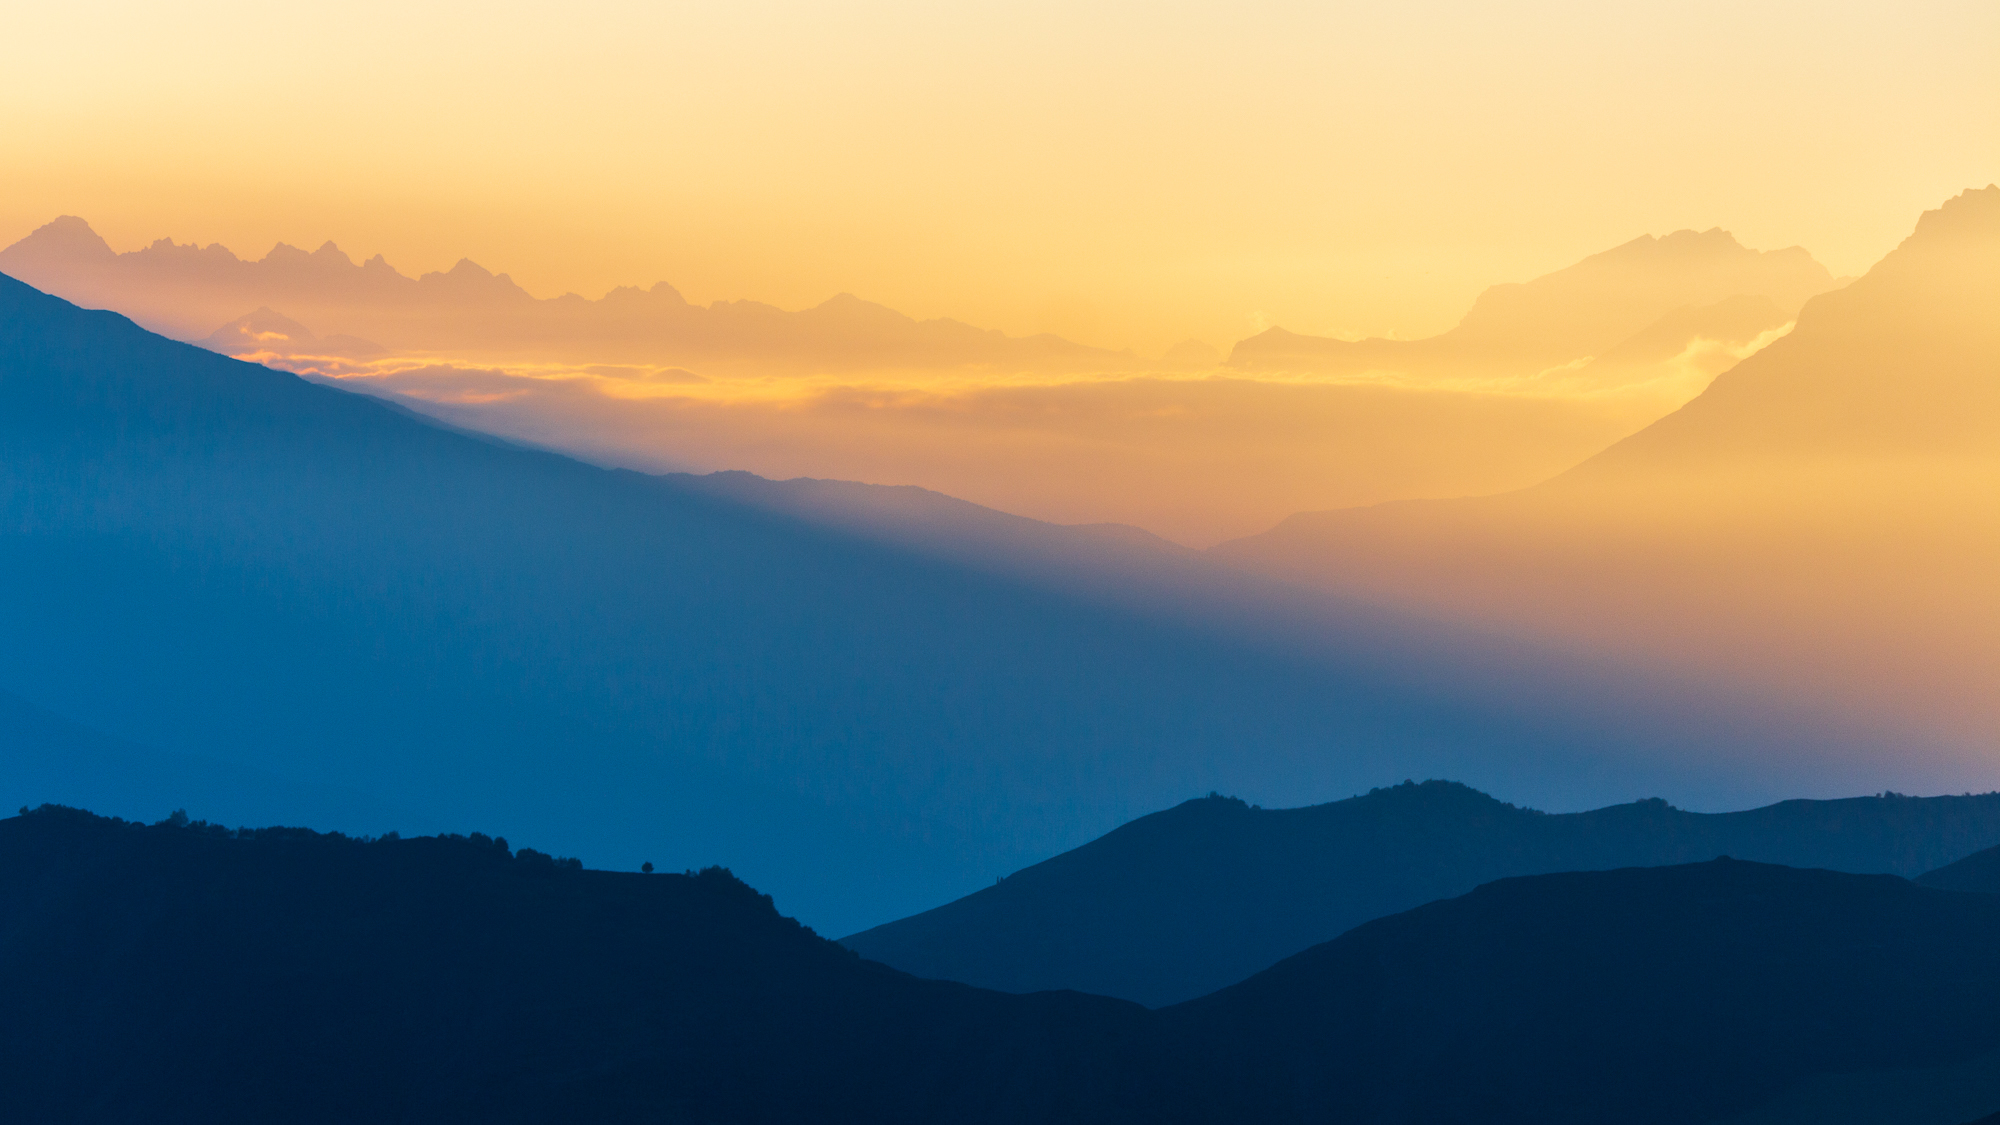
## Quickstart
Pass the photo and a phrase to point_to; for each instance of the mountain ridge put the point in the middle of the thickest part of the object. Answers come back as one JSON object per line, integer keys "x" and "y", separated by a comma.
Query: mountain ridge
{"x": 1581, "y": 310}
{"x": 159, "y": 972}
{"x": 192, "y": 542}
{"x": 1818, "y": 522}
{"x": 478, "y": 312}
{"x": 1184, "y": 901}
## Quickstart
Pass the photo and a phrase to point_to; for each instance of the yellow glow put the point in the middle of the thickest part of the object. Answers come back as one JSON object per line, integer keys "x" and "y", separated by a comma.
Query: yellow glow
{"x": 1127, "y": 174}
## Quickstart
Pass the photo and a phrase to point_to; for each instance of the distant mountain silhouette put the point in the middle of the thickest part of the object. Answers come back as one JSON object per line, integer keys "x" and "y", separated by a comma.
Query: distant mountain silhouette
{"x": 184, "y": 291}
{"x": 1585, "y": 310}
{"x": 266, "y": 332}
{"x": 1183, "y": 902}
{"x": 223, "y": 562}
{"x": 189, "y": 972}
{"x": 1977, "y": 872}
{"x": 1819, "y": 523}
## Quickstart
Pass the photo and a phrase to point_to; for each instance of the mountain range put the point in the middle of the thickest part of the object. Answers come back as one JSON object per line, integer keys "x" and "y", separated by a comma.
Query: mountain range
{"x": 186, "y": 291}
{"x": 1538, "y": 377}
{"x": 1183, "y": 902}
{"x": 190, "y": 972}
{"x": 1819, "y": 524}
{"x": 226, "y": 564}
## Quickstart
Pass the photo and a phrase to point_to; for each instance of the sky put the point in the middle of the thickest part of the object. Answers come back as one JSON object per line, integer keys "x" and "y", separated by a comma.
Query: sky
{"x": 1128, "y": 175}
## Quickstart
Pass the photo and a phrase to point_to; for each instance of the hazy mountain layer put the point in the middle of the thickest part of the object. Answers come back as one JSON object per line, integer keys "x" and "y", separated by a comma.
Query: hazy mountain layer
{"x": 1819, "y": 524}
{"x": 1038, "y": 427}
{"x": 191, "y": 973}
{"x": 228, "y": 563}
{"x": 185, "y": 291}
{"x": 1185, "y": 901}
{"x": 1696, "y": 281}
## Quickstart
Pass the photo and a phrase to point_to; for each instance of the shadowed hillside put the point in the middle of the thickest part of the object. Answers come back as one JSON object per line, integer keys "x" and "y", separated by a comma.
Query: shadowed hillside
{"x": 1977, "y": 872}
{"x": 186, "y": 972}
{"x": 194, "y": 974}
{"x": 1185, "y": 901}
{"x": 1644, "y": 996}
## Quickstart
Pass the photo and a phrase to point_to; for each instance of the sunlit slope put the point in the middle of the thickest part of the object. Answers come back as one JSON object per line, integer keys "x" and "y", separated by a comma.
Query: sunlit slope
{"x": 1822, "y": 524}
{"x": 1196, "y": 897}
{"x": 216, "y": 559}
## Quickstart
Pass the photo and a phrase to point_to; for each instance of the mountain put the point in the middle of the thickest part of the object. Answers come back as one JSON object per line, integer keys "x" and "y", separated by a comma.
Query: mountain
{"x": 184, "y": 291}
{"x": 1185, "y": 901}
{"x": 1818, "y": 524}
{"x": 1899, "y": 363}
{"x": 1573, "y": 314}
{"x": 1977, "y": 872}
{"x": 267, "y": 333}
{"x": 215, "y": 560}
{"x": 188, "y": 972}
{"x": 1191, "y": 451}
{"x": 1643, "y": 995}
{"x": 191, "y": 973}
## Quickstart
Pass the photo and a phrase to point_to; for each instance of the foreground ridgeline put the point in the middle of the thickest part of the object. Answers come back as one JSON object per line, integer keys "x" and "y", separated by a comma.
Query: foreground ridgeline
{"x": 185, "y": 972}
{"x": 1185, "y": 901}
{"x": 192, "y": 973}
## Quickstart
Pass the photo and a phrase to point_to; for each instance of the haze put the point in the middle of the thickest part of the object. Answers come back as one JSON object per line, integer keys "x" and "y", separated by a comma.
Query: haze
{"x": 1125, "y": 175}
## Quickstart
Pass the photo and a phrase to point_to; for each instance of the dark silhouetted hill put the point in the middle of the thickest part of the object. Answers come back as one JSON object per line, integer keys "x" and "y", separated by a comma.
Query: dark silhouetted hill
{"x": 213, "y": 559}
{"x": 194, "y": 974}
{"x": 1977, "y": 872}
{"x": 184, "y": 972}
{"x": 1183, "y": 902}
{"x": 1645, "y": 996}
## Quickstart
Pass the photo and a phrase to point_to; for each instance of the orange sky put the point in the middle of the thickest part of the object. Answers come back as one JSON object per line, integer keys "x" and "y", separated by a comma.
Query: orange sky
{"x": 1125, "y": 174}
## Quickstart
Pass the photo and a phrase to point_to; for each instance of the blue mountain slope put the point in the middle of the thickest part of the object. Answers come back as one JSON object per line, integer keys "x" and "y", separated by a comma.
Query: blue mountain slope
{"x": 1200, "y": 896}
{"x": 46, "y": 759}
{"x": 215, "y": 559}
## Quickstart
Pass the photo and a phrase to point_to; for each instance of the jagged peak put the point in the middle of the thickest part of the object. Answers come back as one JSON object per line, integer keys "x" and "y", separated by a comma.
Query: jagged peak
{"x": 1684, "y": 243}
{"x": 1974, "y": 213}
{"x": 68, "y": 235}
